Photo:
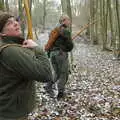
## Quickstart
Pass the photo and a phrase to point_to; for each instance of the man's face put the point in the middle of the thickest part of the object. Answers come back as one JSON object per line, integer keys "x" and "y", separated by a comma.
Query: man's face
{"x": 67, "y": 22}
{"x": 12, "y": 28}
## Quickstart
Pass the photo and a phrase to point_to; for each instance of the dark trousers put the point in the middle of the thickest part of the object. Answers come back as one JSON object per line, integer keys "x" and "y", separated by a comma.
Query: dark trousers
{"x": 60, "y": 63}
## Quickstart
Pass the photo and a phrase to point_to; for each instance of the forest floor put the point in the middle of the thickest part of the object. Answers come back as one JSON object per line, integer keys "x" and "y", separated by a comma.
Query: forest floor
{"x": 92, "y": 92}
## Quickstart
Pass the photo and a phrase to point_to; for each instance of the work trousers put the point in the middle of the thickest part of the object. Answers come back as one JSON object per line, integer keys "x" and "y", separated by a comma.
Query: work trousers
{"x": 60, "y": 65}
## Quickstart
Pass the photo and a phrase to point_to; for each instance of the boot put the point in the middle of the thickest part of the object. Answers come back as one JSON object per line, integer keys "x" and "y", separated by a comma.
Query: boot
{"x": 60, "y": 95}
{"x": 48, "y": 88}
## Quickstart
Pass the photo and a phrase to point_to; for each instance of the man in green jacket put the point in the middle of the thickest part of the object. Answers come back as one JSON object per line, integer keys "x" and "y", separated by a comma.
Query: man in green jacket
{"x": 22, "y": 63}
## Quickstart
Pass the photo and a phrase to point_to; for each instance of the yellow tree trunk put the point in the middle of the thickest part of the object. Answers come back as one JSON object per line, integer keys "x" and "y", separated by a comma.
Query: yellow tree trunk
{"x": 29, "y": 20}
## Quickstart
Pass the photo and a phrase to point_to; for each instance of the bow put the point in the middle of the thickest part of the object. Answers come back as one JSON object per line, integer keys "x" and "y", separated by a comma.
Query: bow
{"x": 84, "y": 28}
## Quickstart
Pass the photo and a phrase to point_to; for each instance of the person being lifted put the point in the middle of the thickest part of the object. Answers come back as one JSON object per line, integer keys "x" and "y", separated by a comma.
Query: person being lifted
{"x": 22, "y": 63}
{"x": 57, "y": 47}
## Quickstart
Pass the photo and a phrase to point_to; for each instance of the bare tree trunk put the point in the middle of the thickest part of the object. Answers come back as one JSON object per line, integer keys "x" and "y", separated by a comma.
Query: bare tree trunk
{"x": 64, "y": 6}
{"x": 104, "y": 14}
{"x": 2, "y": 5}
{"x": 106, "y": 21}
{"x": 70, "y": 15}
{"x": 117, "y": 33}
{"x": 111, "y": 23}
{"x": 44, "y": 13}
{"x": 103, "y": 24}
{"x": 7, "y": 5}
{"x": 91, "y": 19}
{"x": 96, "y": 25}
{"x": 21, "y": 16}
{"x": 118, "y": 19}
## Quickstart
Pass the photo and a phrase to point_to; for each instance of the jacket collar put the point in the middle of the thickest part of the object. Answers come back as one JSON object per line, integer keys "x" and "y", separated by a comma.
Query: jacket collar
{"x": 12, "y": 39}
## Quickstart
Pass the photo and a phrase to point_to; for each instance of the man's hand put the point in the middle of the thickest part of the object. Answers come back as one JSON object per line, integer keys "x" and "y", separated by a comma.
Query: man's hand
{"x": 29, "y": 43}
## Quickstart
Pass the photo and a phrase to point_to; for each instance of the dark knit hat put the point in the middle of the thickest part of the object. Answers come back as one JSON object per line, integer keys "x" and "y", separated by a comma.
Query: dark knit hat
{"x": 3, "y": 19}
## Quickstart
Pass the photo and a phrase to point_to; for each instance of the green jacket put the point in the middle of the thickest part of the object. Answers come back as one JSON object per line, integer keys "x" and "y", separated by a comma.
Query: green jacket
{"x": 64, "y": 40}
{"x": 19, "y": 69}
